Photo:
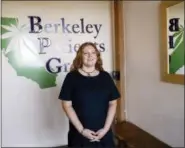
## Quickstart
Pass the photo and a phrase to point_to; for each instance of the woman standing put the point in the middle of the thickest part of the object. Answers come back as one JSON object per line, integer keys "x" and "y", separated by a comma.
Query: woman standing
{"x": 89, "y": 99}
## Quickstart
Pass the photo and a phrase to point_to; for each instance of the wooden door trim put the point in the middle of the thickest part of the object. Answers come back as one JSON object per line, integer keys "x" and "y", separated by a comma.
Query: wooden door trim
{"x": 118, "y": 56}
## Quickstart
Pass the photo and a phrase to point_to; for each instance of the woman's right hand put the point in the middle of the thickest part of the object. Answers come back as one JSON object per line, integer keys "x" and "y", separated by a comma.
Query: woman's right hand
{"x": 89, "y": 134}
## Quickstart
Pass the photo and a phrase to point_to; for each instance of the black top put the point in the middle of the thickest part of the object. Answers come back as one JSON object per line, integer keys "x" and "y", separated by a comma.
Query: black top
{"x": 90, "y": 98}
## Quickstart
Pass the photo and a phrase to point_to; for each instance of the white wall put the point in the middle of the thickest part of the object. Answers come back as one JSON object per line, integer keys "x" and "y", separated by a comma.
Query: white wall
{"x": 155, "y": 106}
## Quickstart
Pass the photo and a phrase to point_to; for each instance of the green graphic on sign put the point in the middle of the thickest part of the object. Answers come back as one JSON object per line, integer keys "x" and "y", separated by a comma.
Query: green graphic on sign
{"x": 22, "y": 54}
{"x": 177, "y": 57}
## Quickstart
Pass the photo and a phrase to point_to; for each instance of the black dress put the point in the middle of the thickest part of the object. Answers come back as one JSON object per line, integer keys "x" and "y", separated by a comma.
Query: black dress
{"x": 90, "y": 98}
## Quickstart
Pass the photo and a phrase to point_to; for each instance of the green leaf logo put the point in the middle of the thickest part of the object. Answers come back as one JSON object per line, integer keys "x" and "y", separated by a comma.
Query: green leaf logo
{"x": 19, "y": 47}
{"x": 177, "y": 56}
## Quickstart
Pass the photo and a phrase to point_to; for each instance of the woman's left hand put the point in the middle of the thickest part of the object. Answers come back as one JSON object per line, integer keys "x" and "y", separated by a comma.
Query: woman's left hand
{"x": 101, "y": 133}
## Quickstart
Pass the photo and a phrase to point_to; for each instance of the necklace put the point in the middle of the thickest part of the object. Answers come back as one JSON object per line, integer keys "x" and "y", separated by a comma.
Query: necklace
{"x": 88, "y": 73}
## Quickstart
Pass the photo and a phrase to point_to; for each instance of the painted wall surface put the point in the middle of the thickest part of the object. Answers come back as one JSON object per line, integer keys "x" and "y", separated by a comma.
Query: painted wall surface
{"x": 31, "y": 112}
{"x": 155, "y": 106}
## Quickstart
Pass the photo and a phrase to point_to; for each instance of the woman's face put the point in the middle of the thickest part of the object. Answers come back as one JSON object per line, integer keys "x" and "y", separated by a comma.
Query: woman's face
{"x": 89, "y": 56}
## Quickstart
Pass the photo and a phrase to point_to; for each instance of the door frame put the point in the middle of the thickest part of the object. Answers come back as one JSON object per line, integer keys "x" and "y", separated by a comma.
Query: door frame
{"x": 119, "y": 55}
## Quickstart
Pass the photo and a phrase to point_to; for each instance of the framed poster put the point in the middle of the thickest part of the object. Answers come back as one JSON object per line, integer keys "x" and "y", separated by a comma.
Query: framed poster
{"x": 172, "y": 41}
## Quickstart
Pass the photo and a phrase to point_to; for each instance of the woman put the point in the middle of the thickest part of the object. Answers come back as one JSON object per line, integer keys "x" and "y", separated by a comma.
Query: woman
{"x": 89, "y": 97}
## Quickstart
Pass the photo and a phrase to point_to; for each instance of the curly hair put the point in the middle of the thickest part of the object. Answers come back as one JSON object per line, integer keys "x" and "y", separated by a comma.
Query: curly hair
{"x": 77, "y": 62}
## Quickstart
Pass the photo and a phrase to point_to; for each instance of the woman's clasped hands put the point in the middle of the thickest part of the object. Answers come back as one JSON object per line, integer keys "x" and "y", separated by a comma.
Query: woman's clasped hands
{"x": 94, "y": 136}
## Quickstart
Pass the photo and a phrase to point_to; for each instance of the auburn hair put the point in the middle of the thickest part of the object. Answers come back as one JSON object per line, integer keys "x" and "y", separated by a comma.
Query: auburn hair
{"x": 77, "y": 62}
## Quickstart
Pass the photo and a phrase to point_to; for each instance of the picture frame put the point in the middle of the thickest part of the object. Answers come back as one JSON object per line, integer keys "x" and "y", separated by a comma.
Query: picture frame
{"x": 172, "y": 41}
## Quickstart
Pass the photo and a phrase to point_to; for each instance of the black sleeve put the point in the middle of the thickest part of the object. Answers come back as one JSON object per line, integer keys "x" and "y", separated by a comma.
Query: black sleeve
{"x": 114, "y": 93}
{"x": 66, "y": 89}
